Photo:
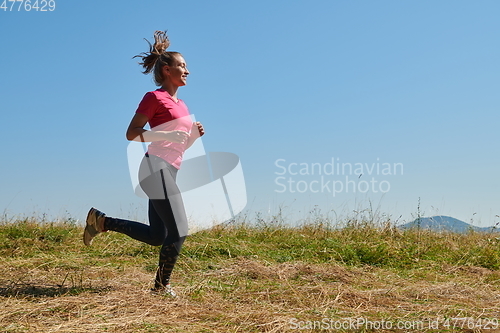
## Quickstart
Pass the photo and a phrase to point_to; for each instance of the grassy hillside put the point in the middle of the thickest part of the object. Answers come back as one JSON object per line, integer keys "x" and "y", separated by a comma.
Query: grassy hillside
{"x": 241, "y": 278}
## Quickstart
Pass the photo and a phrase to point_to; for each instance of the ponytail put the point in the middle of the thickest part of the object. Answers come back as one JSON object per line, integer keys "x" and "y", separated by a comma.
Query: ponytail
{"x": 157, "y": 57}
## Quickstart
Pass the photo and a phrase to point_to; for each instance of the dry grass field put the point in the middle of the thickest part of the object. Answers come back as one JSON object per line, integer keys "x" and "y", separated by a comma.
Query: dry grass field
{"x": 241, "y": 278}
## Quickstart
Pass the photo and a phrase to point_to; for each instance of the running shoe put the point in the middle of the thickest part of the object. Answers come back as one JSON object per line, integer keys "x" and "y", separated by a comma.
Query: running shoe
{"x": 95, "y": 225}
{"x": 165, "y": 291}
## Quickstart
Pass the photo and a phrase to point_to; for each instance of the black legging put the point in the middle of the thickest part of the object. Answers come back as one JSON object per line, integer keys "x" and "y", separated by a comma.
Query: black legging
{"x": 167, "y": 217}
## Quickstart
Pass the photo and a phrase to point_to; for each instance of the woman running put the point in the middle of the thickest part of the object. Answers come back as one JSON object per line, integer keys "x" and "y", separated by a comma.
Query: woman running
{"x": 172, "y": 132}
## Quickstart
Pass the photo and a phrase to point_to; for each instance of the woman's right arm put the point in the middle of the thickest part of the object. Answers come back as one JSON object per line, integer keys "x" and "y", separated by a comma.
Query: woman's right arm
{"x": 136, "y": 132}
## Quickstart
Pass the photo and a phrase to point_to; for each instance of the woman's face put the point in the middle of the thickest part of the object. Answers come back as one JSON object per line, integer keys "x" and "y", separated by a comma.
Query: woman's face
{"x": 177, "y": 72}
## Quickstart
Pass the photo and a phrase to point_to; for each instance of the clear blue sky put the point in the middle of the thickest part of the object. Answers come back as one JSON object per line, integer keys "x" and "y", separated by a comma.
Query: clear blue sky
{"x": 412, "y": 83}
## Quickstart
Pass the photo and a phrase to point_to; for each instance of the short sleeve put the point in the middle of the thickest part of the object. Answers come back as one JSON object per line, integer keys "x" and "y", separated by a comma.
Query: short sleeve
{"x": 148, "y": 106}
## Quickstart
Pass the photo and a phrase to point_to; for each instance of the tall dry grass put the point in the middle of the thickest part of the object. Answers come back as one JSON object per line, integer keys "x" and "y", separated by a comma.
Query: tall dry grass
{"x": 263, "y": 277}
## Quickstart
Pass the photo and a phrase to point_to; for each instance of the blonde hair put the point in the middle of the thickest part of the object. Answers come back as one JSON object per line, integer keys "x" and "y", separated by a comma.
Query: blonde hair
{"x": 157, "y": 57}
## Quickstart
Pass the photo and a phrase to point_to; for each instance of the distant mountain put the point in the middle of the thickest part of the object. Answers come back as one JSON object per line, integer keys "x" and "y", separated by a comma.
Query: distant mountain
{"x": 444, "y": 223}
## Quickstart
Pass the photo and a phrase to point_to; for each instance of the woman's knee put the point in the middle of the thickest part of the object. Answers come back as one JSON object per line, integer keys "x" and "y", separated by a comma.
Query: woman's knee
{"x": 158, "y": 240}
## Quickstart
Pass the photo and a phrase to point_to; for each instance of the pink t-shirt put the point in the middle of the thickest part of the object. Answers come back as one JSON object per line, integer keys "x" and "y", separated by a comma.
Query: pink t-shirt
{"x": 165, "y": 114}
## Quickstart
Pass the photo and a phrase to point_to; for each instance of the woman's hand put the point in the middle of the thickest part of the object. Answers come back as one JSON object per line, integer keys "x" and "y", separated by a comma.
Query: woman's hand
{"x": 197, "y": 131}
{"x": 199, "y": 127}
